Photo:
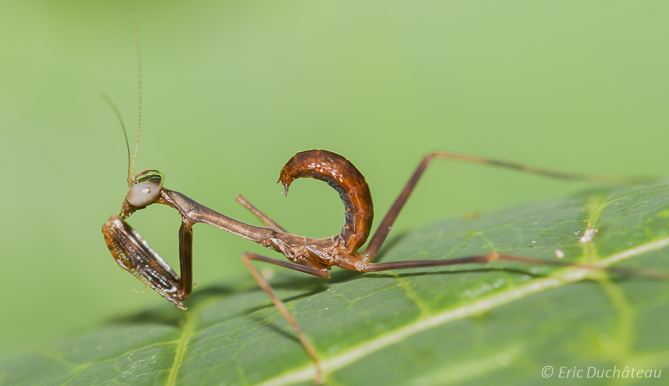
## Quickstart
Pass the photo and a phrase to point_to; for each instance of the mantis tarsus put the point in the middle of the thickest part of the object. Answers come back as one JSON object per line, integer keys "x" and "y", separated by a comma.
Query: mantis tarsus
{"x": 304, "y": 254}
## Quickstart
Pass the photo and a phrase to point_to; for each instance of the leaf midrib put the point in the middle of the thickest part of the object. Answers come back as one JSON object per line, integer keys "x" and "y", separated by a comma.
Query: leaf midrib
{"x": 188, "y": 329}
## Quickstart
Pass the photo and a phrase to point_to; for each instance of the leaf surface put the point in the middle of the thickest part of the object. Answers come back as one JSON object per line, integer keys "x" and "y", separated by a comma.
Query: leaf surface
{"x": 498, "y": 323}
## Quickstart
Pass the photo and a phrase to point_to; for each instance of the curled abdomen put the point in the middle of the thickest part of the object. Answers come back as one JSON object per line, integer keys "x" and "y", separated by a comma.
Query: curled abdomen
{"x": 347, "y": 180}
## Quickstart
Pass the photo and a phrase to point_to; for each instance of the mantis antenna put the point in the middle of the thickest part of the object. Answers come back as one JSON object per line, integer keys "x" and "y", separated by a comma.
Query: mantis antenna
{"x": 131, "y": 162}
{"x": 125, "y": 133}
{"x": 131, "y": 175}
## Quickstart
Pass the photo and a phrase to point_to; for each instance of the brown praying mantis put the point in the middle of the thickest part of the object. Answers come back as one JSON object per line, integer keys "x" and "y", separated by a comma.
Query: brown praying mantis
{"x": 304, "y": 254}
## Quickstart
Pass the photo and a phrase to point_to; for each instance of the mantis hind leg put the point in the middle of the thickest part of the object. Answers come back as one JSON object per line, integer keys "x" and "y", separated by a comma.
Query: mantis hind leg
{"x": 384, "y": 228}
{"x": 490, "y": 257}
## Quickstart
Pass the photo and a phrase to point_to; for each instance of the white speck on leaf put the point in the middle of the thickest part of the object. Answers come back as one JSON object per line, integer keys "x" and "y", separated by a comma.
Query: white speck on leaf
{"x": 588, "y": 235}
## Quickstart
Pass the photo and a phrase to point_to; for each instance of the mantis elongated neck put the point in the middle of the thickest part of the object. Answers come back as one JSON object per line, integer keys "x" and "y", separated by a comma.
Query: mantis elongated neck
{"x": 198, "y": 213}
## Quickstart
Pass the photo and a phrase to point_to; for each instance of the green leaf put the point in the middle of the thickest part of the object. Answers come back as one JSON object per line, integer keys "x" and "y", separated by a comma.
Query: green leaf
{"x": 501, "y": 323}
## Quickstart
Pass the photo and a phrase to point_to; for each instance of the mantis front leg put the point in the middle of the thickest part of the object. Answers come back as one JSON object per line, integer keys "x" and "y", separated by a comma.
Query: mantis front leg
{"x": 185, "y": 259}
{"x": 135, "y": 255}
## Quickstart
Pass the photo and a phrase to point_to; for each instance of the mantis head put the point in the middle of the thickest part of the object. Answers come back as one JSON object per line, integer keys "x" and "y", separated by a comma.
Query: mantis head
{"x": 145, "y": 189}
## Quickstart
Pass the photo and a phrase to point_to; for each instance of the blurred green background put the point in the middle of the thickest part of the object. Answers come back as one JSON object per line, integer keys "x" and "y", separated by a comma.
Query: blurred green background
{"x": 232, "y": 89}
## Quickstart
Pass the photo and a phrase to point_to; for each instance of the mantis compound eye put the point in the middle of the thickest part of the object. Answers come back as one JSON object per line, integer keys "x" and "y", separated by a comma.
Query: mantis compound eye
{"x": 143, "y": 194}
{"x": 146, "y": 188}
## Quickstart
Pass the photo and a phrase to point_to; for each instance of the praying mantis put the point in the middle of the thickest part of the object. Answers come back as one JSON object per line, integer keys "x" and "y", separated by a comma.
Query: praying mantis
{"x": 313, "y": 256}
{"x": 308, "y": 255}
